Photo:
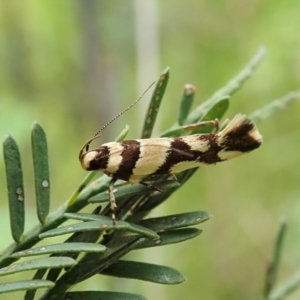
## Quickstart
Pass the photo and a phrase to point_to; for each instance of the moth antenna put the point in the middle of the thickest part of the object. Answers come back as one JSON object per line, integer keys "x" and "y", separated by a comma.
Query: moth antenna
{"x": 122, "y": 112}
{"x": 97, "y": 134}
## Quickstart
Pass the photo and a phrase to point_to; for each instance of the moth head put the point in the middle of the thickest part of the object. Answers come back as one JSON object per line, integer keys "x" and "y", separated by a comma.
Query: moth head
{"x": 87, "y": 157}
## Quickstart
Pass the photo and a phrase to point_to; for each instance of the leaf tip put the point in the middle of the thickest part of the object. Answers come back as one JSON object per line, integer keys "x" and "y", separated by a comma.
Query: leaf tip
{"x": 189, "y": 89}
{"x": 7, "y": 138}
{"x": 36, "y": 125}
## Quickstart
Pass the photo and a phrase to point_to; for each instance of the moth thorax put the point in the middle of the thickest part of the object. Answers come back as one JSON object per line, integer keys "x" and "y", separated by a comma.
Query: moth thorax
{"x": 87, "y": 159}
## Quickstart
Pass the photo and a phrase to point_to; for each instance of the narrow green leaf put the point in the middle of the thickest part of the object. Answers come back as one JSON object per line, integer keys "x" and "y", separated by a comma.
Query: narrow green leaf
{"x": 84, "y": 237}
{"x": 84, "y": 217}
{"x": 145, "y": 272}
{"x": 93, "y": 263}
{"x": 72, "y": 250}
{"x": 122, "y": 134}
{"x": 82, "y": 186}
{"x": 7, "y": 287}
{"x": 186, "y": 103}
{"x": 99, "y": 295}
{"x": 61, "y": 248}
{"x": 41, "y": 263}
{"x": 41, "y": 171}
{"x": 88, "y": 189}
{"x": 15, "y": 187}
{"x": 171, "y": 237}
{"x": 216, "y": 111}
{"x": 175, "y": 221}
{"x": 129, "y": 190}
{"x": 155, "y": 104}
{"x": 148, "y": 202}
{"x": 274, "y": 106}
{"x": 230, "y": 88}
{"x": 274, "y": 265}
{"x": 39, "y": 274}
{"x": 286, "y": 288}
{"x": 104, "y": 224}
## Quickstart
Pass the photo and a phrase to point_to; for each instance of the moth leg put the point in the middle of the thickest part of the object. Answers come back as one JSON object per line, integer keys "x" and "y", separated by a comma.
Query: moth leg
{"x": 112, "y": 199}
{"x": 214, "y": 123}
{"x": 174, "y": 177}
{"x": 149, "y": 185}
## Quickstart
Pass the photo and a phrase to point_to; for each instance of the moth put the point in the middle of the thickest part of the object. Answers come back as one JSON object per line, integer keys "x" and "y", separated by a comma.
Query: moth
{"x": 133, "y": 160}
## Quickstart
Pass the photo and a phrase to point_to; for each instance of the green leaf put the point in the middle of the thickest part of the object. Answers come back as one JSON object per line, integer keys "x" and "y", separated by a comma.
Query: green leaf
{"x": 15, "y": 187}
{"x": 84, "y": 217}
{"x": 103, "y": 224}
{"x": 7, "y": 287}
{"x": 175, "y": 221}
{"x": 171, "y": 237}
{"x": 155, "y": 104}
{"x": 274, "y": 265}
{"x": 128, "y": 190}
{"x": 93, "y": 263}
{"x": 82, "y": 187}
{"x": 186, "y": 103}
{"x": 93, "y": 295}
{"x": 41, "y": 171}
{"x": 286, "y": 288}
{"x": 41, "y": 263}
{"x": 216, "y": 111}
{"x": 229, "y": 89}
{"x": 147, "y": 203}
{"x": 39, "y": 274}
{"x": 61, "y": 248}
{"x": 274, "y": 106}
{"x": 145, "y": 272}
{"x": 122, "y": 134}
{"x": 86, "y": 190}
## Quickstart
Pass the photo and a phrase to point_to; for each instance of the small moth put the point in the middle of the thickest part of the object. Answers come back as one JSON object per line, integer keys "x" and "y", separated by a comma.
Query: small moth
{"x": 133, "y": 160}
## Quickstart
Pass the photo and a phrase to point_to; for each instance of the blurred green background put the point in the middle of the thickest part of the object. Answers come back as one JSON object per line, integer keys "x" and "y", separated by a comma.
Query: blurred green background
{"x": 72, "y": 65}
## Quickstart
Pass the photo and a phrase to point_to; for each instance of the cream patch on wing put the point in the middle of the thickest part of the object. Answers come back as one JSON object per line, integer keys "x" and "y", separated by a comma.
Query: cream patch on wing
{"x": 225, "y": 155}
{"x": 184, "y": 165}
{"x": 195, "y": 143}
{"x": 115, "y": 157}
{"x": 135, "y": 178}
{"x": 153, "y": 153}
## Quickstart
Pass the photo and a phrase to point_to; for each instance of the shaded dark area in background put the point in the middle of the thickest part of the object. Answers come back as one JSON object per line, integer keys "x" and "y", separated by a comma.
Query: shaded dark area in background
{"x": 72, "y": 65}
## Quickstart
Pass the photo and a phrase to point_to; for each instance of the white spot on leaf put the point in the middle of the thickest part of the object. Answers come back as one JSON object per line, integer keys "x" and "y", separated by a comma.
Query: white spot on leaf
{"x": 45, "y": 183}
{"x": 19, "y": 192}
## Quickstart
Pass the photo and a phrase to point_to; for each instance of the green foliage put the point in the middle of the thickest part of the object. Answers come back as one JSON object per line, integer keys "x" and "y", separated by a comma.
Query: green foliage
{"x": 95, "y": 245}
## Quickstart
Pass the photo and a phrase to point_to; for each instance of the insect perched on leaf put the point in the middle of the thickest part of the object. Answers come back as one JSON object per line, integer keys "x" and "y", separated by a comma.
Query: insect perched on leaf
{"x": 133, "y": 160}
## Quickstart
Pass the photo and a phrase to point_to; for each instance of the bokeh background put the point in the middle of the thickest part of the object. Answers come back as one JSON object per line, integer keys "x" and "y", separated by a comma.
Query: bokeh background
{"x": 72, "y": 65}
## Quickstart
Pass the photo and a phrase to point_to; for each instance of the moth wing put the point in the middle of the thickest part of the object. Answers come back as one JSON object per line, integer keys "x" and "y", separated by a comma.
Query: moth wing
{"x": 134, "y": 159}
{"x": 154, "y": 153}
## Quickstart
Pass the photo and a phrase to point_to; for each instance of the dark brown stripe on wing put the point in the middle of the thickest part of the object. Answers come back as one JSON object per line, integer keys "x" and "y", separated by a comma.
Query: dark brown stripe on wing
{"x": 179, "y": 151}
{"x": 240, "y": 139}
{"x": 130, "y": 156}
{"x": 101, "y": 160}
{"x": 210, "y": 156}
